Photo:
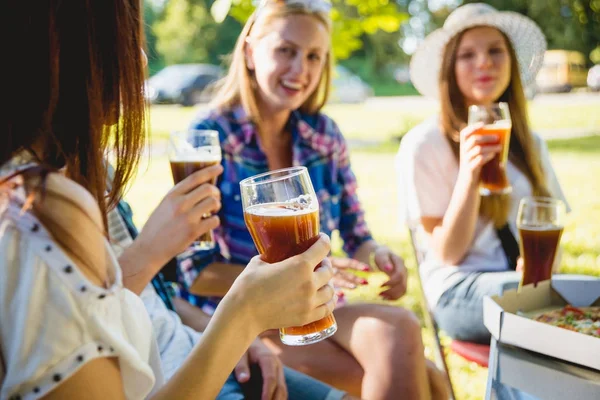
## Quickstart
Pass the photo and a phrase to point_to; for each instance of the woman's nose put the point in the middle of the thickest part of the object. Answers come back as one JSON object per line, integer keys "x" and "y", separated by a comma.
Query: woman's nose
{"x": 298, "y": 64}
{"x": 484, "y": 60}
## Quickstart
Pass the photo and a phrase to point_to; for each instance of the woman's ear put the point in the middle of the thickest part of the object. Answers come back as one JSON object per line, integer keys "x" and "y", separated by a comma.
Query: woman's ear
{"x": 249, "y": 54}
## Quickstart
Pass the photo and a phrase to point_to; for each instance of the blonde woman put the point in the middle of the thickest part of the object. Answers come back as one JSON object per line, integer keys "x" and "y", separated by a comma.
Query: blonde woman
{"x": 480, "y": 56}
{"x": 68, "y": 327}
{"x": 268, "y": 114}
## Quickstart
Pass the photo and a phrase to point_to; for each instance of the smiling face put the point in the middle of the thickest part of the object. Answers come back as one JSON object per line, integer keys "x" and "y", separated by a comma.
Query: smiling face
{"x": 288, "y": 61}
{"x": 482, "y": 66}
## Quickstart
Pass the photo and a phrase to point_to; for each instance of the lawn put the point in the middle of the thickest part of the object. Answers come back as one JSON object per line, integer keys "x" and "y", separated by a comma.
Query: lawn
{"x": 577, "y": 162}
{"x": 378, "y": 120}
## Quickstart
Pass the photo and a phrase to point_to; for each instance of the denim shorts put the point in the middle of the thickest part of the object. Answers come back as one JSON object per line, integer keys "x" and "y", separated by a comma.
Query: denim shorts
{"x": 299, "y": 386}
{"x": 459, "y": 312}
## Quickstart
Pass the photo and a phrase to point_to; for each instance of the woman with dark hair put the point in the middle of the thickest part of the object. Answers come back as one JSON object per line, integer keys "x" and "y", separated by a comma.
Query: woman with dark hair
{"x": 479, "y": 57}
{"x": 69, "y": 328}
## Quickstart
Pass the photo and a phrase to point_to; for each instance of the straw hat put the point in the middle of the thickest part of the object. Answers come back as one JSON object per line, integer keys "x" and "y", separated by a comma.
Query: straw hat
{"x": 526, "y": 38}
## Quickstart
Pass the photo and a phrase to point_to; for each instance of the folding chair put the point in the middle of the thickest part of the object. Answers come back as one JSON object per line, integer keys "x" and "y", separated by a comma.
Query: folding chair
{"x": 473, "y": 352}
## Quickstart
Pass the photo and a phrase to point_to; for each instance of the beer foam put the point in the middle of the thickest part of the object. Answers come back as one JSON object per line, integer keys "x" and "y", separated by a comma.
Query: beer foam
{"x": 499, "y": 125}
{"x": 199, "y": 154}
{"x": 293, "y": 207}
{"x": 541, "y": 228}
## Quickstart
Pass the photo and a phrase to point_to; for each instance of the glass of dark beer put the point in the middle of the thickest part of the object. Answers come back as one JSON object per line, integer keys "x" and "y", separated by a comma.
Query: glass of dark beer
{"x": 496, "y": 118}
{"x": 281, "y": 212}
{"x": 540, "y": 221}
{"x": 191, "y": 151}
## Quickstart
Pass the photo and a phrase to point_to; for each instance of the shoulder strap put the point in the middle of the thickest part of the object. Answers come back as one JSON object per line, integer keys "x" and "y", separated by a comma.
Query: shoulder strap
{"x": 509, "y": 245}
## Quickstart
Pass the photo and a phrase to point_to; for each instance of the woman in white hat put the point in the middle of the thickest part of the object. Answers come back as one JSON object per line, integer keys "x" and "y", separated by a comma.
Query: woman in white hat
{"x": 480, "y": 56}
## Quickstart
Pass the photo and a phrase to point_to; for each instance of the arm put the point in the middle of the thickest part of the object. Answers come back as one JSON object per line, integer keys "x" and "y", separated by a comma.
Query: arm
{"x": 290, "y": 293}
{"x": 200, "y": 377}
{"x": 452, "y": 235}
{"x": 176, "y": 222}
{"x": 190, "y": 315}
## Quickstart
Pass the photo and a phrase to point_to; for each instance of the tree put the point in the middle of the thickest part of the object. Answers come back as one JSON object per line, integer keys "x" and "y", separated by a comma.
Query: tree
{"x": 353, "y": 20}
{"x": 567, "y": 24}
{"x": 188, "y": 33}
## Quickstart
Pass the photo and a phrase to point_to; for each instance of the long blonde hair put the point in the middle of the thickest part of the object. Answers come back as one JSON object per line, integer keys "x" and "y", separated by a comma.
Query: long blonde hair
{"x": 522, "y": 152}
{"x": 239, "y": 85}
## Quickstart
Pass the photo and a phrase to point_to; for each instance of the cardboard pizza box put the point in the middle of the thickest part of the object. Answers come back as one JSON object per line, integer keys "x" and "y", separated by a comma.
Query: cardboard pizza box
{"x": 503, "y": 317}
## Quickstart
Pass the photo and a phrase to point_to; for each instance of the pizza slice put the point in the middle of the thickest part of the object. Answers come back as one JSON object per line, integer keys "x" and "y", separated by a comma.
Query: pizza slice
{"x": 584, "y": 320}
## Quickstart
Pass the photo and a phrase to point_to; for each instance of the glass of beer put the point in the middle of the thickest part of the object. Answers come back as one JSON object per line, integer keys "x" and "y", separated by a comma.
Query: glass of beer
{"x": 281, "y": 211}
{"x": 540, "y": 221}
{"x": 496, "y": 118}
{"x": 191, "y": 151}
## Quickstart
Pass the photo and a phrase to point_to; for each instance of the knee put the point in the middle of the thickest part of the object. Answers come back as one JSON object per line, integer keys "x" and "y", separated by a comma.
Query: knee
{"x": 394, "y": 325}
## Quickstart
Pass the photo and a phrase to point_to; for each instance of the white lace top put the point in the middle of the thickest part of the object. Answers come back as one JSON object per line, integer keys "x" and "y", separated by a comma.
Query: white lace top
{"x": 53, "y": 320}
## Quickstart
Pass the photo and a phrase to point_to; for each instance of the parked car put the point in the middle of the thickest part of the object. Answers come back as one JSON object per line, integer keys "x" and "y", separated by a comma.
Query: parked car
{"x": 593, "y": 78}
{"x": 183, "y": 84}
{"x": 347, "y": 87}
{"x": 561, "y": 71}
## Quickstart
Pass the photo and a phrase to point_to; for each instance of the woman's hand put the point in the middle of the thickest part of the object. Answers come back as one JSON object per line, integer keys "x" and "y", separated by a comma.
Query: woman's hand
{"x": 178, "y": 220}
{"x": 287, "y": 293}
{"x": 475, "y": 151}
{"x": 393, "y": 266}
{"x": 271, "y": 368}
{"x": 345, "y": 279}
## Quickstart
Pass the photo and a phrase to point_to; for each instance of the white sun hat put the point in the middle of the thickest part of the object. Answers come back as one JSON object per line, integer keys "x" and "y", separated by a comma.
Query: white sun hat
{"x": 526, "y": 38}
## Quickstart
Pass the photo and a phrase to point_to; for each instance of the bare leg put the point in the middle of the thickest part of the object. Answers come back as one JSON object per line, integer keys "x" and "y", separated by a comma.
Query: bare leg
{"x": 377, "y": 353}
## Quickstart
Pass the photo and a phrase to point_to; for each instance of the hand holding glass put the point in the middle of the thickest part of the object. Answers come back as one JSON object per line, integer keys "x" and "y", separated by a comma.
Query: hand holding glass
{"x": 496, "y": 118}
{"x": 281, "y": 211}
{"x": 191, "y": 151}
{"x": 540, "y": 221}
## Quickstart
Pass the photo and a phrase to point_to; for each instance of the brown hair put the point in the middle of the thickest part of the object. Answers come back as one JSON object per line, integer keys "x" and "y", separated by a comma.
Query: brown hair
{"x": 522, "y": 152}
{"x": 239, "y": 86}
{"x": 74, "y": 79}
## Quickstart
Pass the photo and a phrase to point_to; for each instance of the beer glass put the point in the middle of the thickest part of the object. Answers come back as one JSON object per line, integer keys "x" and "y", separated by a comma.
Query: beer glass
{"x": 191, "y": 151}
{"x": 281, "y": 212}
{"x": 540, "y": 221}
{"x": 496, "y": 118}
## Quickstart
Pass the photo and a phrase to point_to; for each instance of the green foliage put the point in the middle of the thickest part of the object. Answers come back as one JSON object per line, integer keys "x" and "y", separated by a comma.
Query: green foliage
{"x": 353, "y": 20}
{"x": 188, "y": 33}
{"x": 567, "y": 24}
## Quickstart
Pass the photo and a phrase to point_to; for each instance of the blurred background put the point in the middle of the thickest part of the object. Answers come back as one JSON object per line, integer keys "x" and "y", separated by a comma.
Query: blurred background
{"x": 375, "y": 104}
{"x": 373, "y": 41}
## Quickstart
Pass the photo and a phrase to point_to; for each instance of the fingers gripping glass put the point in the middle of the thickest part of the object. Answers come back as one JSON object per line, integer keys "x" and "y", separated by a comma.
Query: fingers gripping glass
{"x": 191, "y": 151}
{"x": 497, "y": 122}
{"x": 281, "y": 212}
{"x": 541, "y": 221}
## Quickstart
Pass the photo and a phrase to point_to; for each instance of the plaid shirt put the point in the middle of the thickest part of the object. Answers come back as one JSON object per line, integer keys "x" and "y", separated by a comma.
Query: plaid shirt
{"x": 317, "y": 145}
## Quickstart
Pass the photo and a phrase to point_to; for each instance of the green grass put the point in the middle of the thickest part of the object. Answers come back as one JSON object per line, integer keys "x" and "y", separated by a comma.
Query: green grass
{"x": 577, "y": 162}
{"x": 373, "y": 121}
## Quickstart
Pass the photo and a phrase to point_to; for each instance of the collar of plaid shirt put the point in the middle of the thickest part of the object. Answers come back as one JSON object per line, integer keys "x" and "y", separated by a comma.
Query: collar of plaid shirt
{"x": 317, "y": 139}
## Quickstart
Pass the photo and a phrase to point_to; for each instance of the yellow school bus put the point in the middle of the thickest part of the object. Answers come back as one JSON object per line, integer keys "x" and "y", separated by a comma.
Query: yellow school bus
{"x": 562, "y": 71}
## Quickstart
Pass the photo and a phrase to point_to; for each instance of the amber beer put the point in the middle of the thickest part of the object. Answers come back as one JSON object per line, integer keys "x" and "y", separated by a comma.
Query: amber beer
{"x": 493, "y": 174}
{"x": 538, "y": 249}
{"x": 181, "y": 169}
{"x": 279, "y": 232}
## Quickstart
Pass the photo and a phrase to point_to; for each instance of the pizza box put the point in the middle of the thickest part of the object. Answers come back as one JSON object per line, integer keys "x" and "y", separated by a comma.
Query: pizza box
{"x": 503, "y": 317}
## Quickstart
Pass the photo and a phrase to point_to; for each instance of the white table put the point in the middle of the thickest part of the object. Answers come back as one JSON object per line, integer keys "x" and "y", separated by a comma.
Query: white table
{"x": 517, "y": 374}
